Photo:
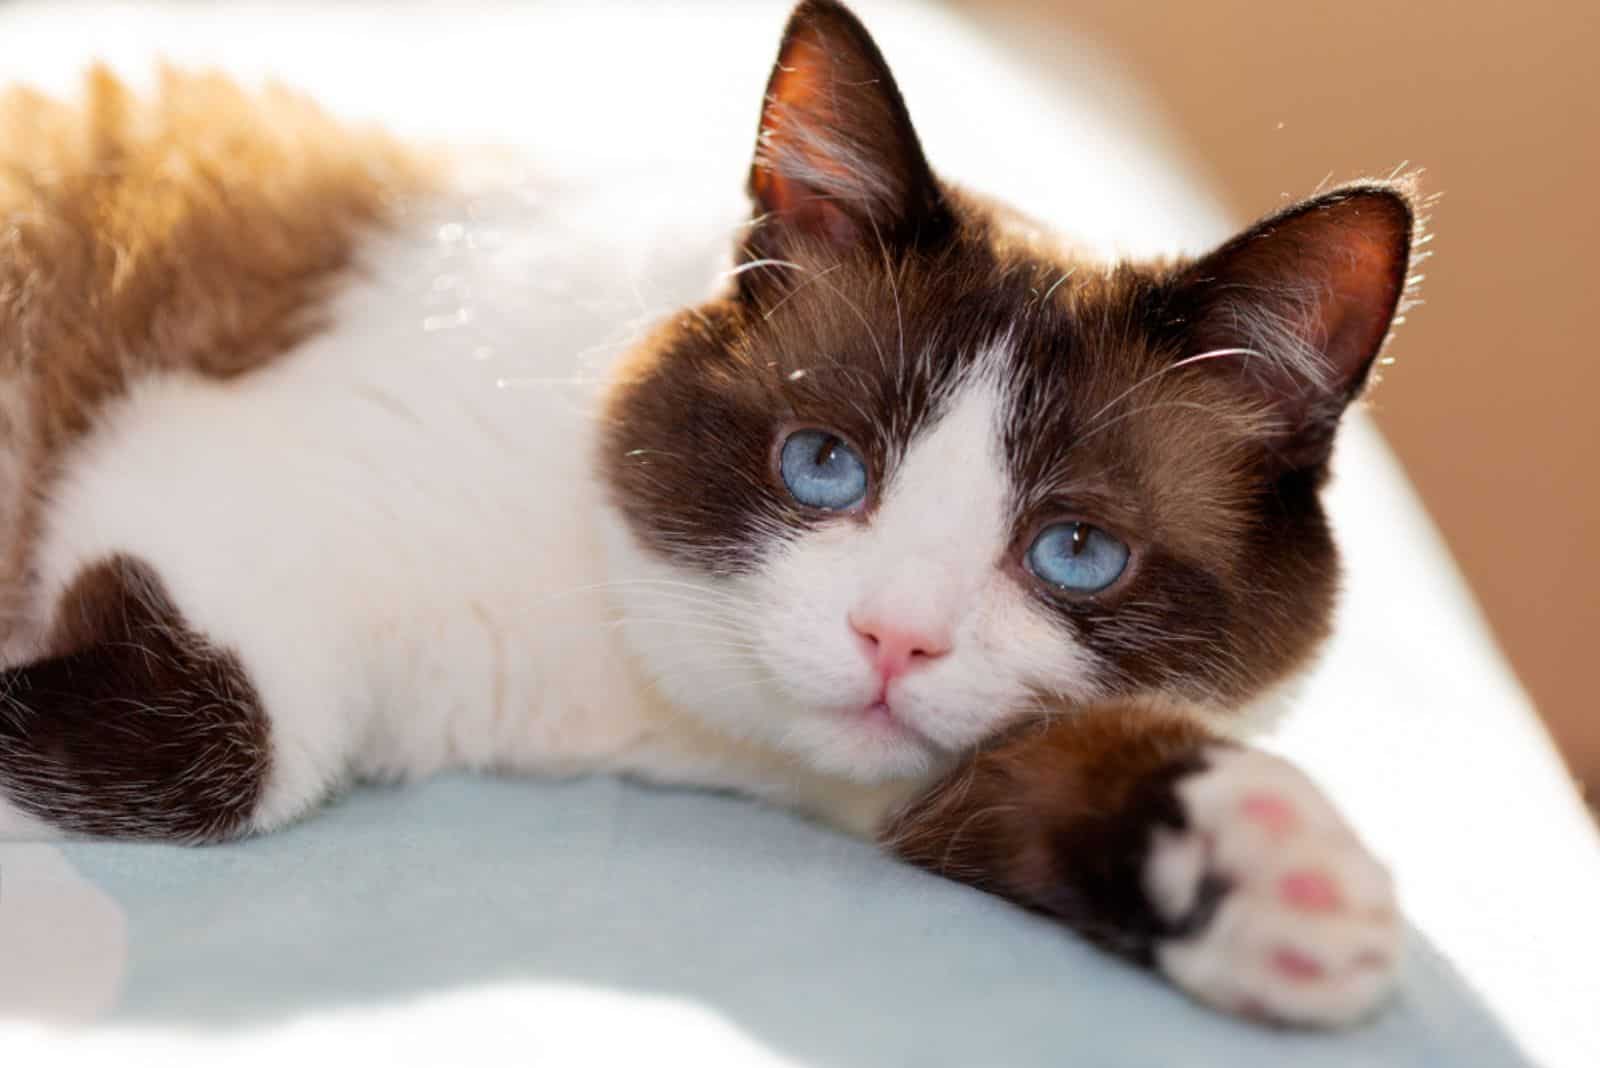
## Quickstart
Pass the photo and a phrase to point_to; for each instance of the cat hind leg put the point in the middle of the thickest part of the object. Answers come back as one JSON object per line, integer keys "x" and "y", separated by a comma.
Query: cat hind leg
{"x": 135, "y": 725}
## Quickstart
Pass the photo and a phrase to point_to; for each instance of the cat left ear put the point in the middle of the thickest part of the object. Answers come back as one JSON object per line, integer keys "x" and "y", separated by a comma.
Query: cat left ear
{"x": 1298, "y": 307}
{"x": 837, "y": 162}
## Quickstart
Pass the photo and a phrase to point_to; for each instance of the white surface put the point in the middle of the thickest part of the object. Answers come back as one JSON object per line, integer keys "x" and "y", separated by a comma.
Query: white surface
{"x": 477, "y": 1026}
{"x": 1413, "y": 723}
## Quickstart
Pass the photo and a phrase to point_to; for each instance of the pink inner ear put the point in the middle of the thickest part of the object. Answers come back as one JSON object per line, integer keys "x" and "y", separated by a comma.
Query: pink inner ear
{"x": 794, "y": 120}
{"x": 1300, "y": 305}
{"x": 1353, "y": 249}
{"x": 809, "y": 211}
{"x": 837, "y": 161}
{"x": 1366, "y": 276}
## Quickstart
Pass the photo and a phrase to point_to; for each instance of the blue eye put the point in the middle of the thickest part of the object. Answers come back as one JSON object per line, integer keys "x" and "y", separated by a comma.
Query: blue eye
{"x": 1077, "y": 557}
{"x": 822, "y": 471}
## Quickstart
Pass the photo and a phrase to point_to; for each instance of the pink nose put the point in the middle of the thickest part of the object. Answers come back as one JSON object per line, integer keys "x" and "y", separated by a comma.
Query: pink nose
{"x": 895, "y": 650}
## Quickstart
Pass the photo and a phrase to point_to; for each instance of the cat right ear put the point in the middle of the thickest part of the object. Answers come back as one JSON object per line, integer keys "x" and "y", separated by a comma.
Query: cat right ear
{"x": 1297, "y": 308}
{"x": 837, "y": 162}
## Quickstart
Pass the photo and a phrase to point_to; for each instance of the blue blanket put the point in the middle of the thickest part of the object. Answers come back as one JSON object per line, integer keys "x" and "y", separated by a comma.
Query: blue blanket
{"x": 809, "y": 942}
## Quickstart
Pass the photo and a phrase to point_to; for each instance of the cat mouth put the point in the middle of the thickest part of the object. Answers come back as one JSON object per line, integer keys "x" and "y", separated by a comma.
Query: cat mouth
{"x": 879, "y": 712}
{"x": 880, "y": 718}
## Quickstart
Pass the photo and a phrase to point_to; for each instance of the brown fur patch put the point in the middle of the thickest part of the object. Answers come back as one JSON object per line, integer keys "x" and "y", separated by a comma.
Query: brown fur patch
{"x": 135, "y": 726}
{"x": 1059, "y": 818}
{"x": 197, "y": 229}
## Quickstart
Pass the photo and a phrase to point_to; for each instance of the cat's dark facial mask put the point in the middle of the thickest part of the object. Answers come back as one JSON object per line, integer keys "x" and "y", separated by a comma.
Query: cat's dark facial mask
{"x": 923, "y": 472}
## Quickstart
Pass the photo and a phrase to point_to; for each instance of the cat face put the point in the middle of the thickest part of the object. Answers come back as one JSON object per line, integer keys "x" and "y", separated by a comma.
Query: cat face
{"x": 922, "y": 474}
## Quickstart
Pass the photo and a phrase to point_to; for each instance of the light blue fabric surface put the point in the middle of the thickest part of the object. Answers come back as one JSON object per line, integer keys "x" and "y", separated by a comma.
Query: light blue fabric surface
{"x": 810, "y": 941}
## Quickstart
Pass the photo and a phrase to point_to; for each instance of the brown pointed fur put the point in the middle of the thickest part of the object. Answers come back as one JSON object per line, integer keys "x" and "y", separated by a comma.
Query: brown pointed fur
{"x": 1058, "y": 817}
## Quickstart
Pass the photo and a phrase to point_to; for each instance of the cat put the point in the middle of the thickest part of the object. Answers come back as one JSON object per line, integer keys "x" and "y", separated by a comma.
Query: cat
{"x": 328, "y": 459}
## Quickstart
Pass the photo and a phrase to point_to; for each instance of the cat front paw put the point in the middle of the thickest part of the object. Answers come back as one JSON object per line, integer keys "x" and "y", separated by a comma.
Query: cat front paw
{"x": 1282, "y": 913}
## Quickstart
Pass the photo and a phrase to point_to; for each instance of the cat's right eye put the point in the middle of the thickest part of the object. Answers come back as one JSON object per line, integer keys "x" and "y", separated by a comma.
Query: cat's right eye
{"x": 822, "y": 471}
{"x": 1077, "y": 557}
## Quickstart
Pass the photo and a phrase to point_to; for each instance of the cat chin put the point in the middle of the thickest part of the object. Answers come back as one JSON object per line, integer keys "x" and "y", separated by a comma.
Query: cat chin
{"x": 860, "y": 750}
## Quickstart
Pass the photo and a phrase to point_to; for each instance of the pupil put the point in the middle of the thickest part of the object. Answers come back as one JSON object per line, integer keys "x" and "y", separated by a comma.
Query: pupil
{"x": 825, "y": 452}
{"x": 1080, "y": 538}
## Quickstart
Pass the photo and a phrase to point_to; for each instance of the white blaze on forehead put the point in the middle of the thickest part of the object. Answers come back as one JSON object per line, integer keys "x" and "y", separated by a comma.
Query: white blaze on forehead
{"x": 941, "y": 527}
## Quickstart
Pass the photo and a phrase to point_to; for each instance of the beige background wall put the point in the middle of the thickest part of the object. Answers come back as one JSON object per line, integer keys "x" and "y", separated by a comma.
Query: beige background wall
{"x": 1492, "y": 404}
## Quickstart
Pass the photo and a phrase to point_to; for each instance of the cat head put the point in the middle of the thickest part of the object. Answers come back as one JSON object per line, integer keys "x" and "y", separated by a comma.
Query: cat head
{"x": 921, "y": 473}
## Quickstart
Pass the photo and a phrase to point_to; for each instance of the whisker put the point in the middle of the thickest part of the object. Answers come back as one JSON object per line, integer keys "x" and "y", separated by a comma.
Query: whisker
{"x": 1186, "y": 361}
{"x": 716, "y": 628}
{"x": 859, "y": 314}
{"x": 894, "y": 291}
{"x": 1057, "y": 285}
{"x": 961, "y": 829}
{"x": 746, "y": 684}
{"x": 755, "y": 264}
{"x": 709, "y": 594}
{"x": 1109, "y": 423}
{"x": 733, "y": 658}
{"x": 796, "y": 290}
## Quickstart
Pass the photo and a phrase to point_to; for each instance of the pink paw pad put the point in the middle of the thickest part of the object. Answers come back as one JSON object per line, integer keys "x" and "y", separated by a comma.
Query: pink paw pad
{"x": 1292, "y": 964}
{"x": 1310, "y": 891}
{"x": 1271, "y": 812}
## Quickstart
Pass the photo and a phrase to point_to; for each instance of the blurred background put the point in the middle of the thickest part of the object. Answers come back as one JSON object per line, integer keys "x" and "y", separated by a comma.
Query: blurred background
{"x": 1490, "y": 404}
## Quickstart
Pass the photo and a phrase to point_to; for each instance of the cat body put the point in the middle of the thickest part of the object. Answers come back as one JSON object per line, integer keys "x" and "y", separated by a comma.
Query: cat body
{"x": 461, "y": 610}
{"x": 332, "y": 461}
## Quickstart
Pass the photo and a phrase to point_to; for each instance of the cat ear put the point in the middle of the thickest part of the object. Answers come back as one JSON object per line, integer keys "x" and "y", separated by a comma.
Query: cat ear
{"x": 837, "y": 161}
{"x": 1299, "y": 305}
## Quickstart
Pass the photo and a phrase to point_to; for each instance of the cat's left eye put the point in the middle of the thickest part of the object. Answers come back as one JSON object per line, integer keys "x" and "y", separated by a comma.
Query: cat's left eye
{"x": 822, "y": 471}
{"x": 1077, "y": 557}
